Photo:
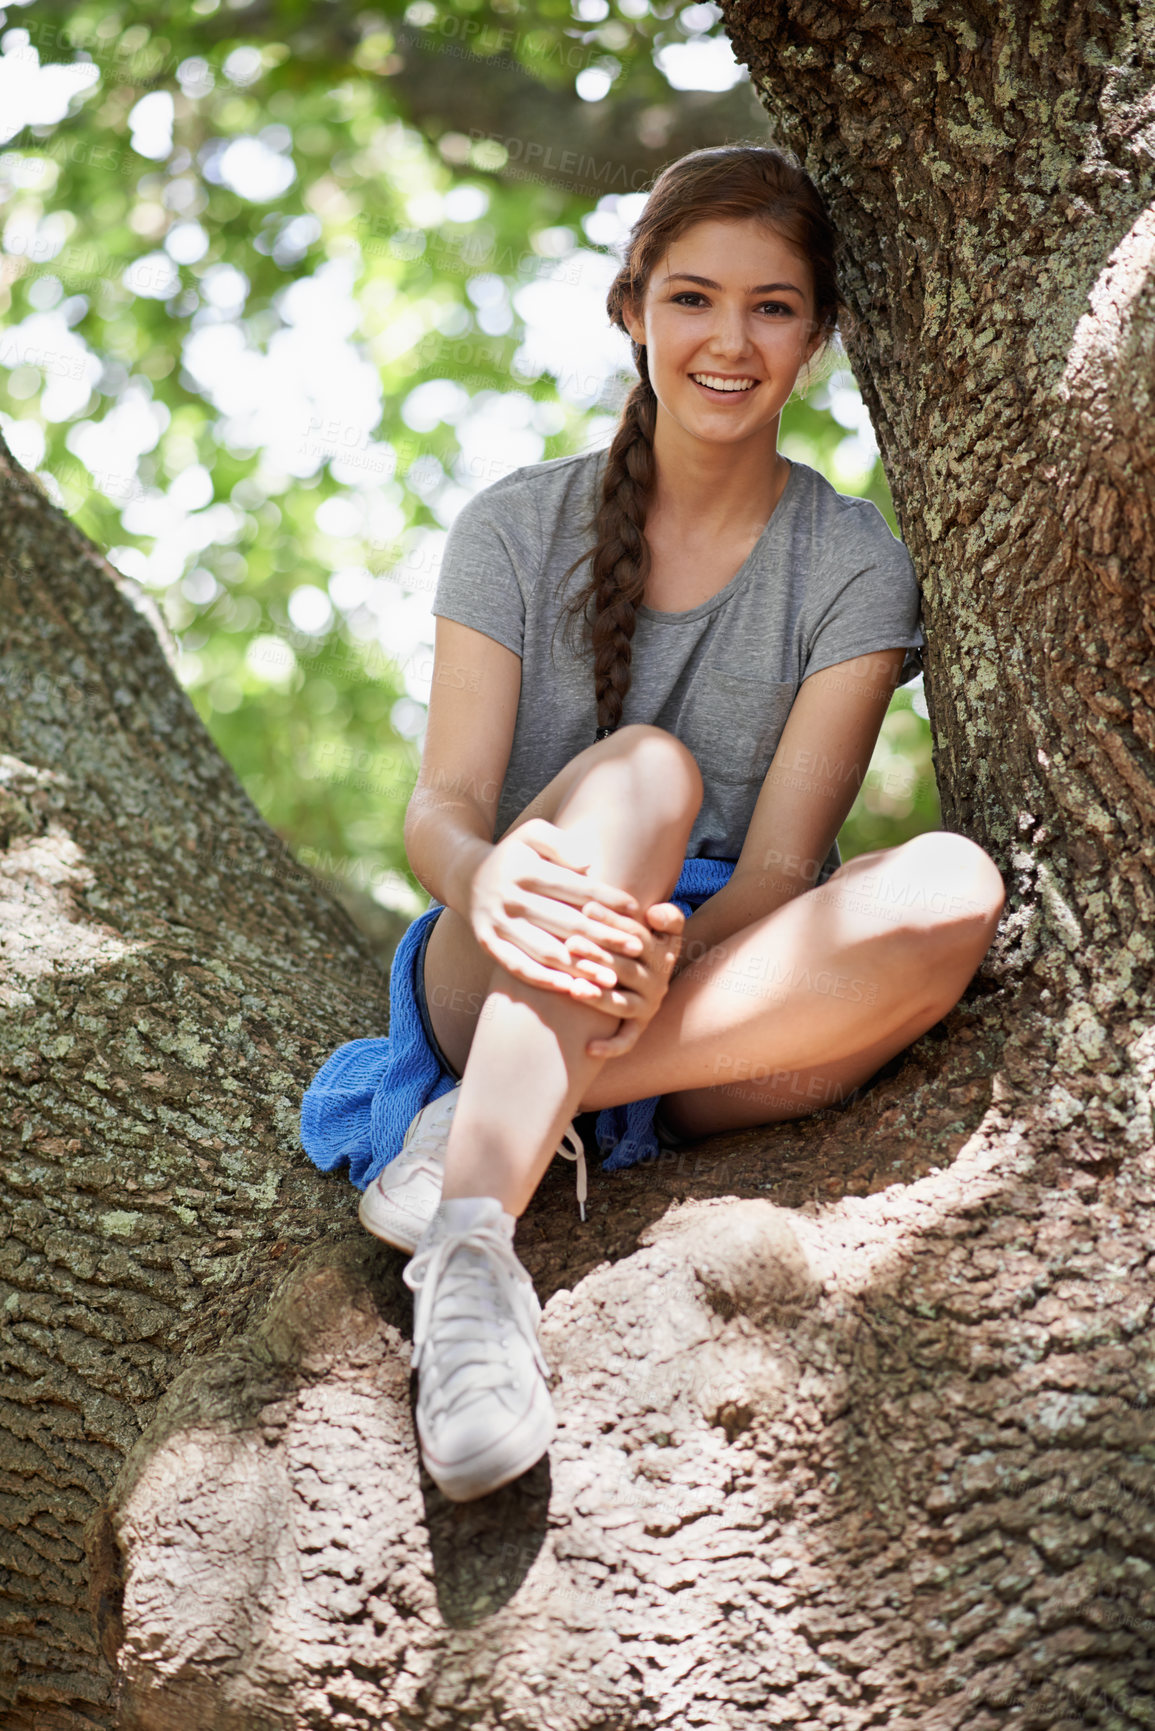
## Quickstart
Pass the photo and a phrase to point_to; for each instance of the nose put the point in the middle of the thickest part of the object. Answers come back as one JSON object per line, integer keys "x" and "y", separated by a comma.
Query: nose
{"x": 729, "y": 336}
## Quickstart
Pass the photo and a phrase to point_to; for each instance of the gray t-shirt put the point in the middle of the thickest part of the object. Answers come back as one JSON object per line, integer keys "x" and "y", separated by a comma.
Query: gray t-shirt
{"x": 826, "y": 580}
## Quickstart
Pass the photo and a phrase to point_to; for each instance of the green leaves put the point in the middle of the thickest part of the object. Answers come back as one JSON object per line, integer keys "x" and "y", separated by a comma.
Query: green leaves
{"x": 232, "y": 262}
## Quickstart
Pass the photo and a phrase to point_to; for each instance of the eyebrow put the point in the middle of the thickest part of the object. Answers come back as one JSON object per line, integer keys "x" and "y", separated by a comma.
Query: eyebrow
{"x": 760, "y": 289}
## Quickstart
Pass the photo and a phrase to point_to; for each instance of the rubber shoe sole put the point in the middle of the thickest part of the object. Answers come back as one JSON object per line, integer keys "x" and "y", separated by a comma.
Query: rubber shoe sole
{"x": 387, "y": 1222}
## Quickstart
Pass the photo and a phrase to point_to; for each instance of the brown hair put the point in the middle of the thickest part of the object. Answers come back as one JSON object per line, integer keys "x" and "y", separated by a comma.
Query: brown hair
{"x": 727, "y": 182}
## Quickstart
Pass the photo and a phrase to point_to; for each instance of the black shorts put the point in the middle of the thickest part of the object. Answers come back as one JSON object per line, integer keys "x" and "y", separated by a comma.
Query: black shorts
{"x": 423, "y": 1005}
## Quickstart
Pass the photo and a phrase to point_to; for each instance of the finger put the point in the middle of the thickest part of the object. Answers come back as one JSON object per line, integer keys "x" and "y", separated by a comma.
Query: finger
{"x": 668, "y": 919}
{"x": 575, "y": 891}
{"x": 553, "y": 843}
{"x": 618, "y": 939}
{"x": 522, "y": 967}
{"x": 610, "y": 943}
{"x": 562, "y": 922}
{"x": 594, "y": 1001}
{"x": 521, "y": 951}
{"x": 632, "y": 973}
{"x": 624, "y": 971}
{"x": 614, "y": 1045}
{"x": 508, "y": 949}
{"x": 647, "y": 951}
{"x": 603, "y": 971}
{"x": 568, "y": 845}
{"x": 609, "y": 893}
{"x": 627, "y": 935}
{"x": 616, "y": 1002}
{"x": 535, "y": 939}
{"x": 578, "y": 944}
{"x": 587, "y": 969}
{"x": 618, "y": 922}
{"x": 636, "y": 988}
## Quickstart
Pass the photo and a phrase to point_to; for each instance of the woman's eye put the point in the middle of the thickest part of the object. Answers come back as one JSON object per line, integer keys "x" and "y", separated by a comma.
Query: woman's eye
{"x": 692, "y": 295}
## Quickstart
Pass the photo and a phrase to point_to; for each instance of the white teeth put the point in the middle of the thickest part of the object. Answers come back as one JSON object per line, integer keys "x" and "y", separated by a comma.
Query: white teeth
{"x": 718, "y": 384}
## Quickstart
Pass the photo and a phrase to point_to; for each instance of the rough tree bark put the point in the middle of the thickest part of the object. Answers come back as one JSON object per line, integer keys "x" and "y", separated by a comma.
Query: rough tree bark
{"x": 855, "y": 1411}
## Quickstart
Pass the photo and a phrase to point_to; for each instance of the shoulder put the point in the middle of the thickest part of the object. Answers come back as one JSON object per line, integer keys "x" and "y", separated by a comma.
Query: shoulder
{"x": 534, "y": 492}
{"x": 501, "y": 539}
{"x": 849, "y": 526}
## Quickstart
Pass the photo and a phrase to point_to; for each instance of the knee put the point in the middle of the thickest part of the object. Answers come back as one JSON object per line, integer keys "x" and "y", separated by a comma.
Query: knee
{"x": 671, "y": 764}
{"x": 960, "y": 892}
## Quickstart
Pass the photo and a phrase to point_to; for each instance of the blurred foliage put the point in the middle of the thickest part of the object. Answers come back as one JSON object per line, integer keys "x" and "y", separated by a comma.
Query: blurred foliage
{"x": 216, "y": 336}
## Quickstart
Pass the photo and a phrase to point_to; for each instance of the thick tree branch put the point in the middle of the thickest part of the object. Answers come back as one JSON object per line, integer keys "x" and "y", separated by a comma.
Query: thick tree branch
{"x": 855, "y": 1409}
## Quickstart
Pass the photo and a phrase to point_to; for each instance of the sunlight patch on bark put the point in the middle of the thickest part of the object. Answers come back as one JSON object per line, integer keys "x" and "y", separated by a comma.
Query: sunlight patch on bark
{"x": 861, "y": 1242}
{"x": 39, "y": 932}
{"x": 1099, "y": 334}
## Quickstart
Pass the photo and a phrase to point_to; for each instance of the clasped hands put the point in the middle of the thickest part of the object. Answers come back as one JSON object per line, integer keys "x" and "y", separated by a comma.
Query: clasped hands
{"x": 534, "y": 909}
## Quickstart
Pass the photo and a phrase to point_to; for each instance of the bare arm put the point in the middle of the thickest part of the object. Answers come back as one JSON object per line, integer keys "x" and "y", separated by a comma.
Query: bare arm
{"x": 523, "y": 896}
{"x": 450, "y": 818}
{"x": 818, "y": 768}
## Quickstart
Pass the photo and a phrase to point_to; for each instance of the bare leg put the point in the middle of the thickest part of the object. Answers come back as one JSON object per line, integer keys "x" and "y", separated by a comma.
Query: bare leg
{"x": 796, "y": 1009}
{"x": 634, "y": 797}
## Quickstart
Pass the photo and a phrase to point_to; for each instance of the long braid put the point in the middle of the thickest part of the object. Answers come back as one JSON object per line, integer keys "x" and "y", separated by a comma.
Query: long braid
{"x": 621, "y": 561}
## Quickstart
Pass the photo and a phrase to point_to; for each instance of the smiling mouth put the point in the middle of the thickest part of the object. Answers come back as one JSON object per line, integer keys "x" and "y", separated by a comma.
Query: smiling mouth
{"x": 734, "y": 388}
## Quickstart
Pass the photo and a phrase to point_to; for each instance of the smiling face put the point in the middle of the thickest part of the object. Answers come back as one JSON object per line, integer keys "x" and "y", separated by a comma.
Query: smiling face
{"x": 750, "y": 316}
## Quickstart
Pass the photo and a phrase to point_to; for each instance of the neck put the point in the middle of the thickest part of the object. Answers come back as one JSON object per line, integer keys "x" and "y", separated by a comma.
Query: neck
{"x": 708, "y": 487}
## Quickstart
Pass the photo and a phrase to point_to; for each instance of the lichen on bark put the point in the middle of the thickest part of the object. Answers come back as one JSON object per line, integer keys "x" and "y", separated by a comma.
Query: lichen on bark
{"x": 855, "y": 1410}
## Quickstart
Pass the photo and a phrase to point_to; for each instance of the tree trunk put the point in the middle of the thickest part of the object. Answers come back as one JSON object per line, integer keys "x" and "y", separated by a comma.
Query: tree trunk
{"x": 854, "y": 1410}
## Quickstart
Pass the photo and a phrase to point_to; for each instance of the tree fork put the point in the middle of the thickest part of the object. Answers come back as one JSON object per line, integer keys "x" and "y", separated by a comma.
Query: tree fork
{"x": 855, "y": 1410}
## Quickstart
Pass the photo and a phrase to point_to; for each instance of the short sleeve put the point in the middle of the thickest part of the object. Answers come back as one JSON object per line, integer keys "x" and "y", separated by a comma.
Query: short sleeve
{"x": 485, "y": 568}
{"x": 873, "y": 603}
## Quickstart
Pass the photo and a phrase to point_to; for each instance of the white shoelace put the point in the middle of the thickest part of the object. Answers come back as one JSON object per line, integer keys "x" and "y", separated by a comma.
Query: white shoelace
{"x": 571, "y": 1148}
{"x": 431, "y": 1130}
{"x": 470, "y": 1328}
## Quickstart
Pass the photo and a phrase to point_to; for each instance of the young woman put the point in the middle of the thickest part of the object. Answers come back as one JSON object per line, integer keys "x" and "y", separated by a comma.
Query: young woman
{"x": 741, "y": 629}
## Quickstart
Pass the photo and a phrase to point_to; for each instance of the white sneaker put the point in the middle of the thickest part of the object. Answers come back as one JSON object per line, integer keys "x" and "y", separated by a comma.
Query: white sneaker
{"x": 402, "y": 1199}
{"x": 484, "y": 1413}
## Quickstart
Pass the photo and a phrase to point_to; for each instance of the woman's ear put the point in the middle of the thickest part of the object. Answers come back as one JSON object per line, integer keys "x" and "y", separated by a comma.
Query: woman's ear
{"x": 815, "y": 344}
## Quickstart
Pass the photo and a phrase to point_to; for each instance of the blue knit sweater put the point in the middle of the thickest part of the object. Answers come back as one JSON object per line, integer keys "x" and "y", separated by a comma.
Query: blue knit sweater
{"x": 364, "y": 1097}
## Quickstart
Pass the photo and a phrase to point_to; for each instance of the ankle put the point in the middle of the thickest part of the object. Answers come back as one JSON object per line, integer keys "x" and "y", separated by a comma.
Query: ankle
{"x": 463, "y": 1209}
